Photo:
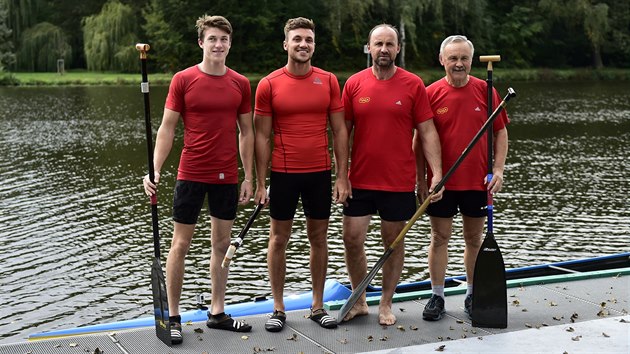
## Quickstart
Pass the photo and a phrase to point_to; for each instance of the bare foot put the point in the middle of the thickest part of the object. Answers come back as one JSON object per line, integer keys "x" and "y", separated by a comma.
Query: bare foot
{"x": 385, "y": 315}
{"x": 359, "y": 309}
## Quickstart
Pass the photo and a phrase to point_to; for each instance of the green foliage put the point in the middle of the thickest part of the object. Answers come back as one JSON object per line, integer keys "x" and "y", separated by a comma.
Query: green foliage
{"x": 109, "y": 38}
{"x": 166, "y": 43}
{"x": 42, "y": 45}
{"x": 7, "y": 57}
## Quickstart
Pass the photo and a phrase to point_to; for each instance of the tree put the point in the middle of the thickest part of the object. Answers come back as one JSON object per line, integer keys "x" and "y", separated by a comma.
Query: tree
{"x": 109, "y": 38}
{"x": 41, "y": 46}
{"x": 7, "y": 57}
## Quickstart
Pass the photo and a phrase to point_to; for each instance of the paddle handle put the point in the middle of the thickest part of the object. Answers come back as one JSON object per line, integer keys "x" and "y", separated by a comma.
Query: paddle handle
{"x": 489, "y": 59}
{"x": 241, "y": 236}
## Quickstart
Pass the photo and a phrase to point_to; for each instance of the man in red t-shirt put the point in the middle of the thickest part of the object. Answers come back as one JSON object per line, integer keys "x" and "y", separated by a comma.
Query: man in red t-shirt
{"x": 384, "y": 104}
{"x": 297, "y": 103}
{"x": 459, "y": 102}
{"x": 211, "y": 100}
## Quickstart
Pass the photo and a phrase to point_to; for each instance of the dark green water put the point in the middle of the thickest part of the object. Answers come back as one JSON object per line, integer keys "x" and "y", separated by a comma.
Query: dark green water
{"x": 75, "y": 232}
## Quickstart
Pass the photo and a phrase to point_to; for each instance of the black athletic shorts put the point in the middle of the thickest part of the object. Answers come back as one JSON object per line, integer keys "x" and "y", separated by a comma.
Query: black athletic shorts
{"x": 391, "y": 206}
{"x": 189, "y": 196}
{"x": 469, "y": 203}
{"x": 315, "y": 189}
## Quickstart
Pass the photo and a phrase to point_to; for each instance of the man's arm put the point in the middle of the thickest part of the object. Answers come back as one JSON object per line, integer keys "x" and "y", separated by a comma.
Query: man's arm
{"x": 432, "y": 153}
{"x": 263, "y": 126}
{"x": 163, "y": 145}
{"x": 340, "y": 148}
{"x": 246, "y": 149}
{"x": 500, "y": 155}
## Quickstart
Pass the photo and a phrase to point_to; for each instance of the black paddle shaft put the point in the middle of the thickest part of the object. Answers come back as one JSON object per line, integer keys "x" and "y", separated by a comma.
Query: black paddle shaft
{"x": 149, "y": 137}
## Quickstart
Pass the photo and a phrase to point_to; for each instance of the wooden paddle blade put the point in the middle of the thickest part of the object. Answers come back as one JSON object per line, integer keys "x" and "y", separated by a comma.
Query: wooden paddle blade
{"x": 489, "y": 301}
{"x": 160, "y": 303}
{"x": 358, "y": 291}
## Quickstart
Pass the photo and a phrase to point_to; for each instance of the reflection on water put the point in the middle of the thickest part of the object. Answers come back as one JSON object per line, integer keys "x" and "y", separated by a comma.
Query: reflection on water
{"x": 75, "y": 233}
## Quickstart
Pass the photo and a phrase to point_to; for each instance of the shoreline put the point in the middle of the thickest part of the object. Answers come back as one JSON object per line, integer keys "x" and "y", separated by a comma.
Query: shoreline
{"x": 87, "y": 78}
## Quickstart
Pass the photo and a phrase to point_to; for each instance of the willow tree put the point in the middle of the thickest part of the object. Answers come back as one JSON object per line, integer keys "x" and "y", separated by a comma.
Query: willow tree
{"x": 109, "y": 37}
{"x": 42, "y": 45}
{"x": 591, "y": 17}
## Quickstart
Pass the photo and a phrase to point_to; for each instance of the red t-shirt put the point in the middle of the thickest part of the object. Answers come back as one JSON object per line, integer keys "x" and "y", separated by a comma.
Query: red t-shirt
{"x": 209, "y": 106}
{"x": 459, "y": 114}
{"x": 384, "y": 114}
{"x": 300, "y": 107}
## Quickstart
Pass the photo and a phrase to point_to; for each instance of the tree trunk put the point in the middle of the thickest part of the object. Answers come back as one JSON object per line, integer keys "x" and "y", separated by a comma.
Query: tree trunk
{"x": 401, "y": 62}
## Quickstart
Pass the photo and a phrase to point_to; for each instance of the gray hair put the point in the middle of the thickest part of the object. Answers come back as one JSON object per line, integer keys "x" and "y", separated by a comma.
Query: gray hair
{"x": 456, "y": 39}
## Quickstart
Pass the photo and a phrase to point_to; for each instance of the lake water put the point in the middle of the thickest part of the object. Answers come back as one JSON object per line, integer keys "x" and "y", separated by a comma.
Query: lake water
{"x": 75, "y": 230}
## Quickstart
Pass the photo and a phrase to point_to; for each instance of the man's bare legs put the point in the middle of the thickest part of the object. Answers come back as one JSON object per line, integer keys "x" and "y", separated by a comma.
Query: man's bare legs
{"x": 317, "y": 231}
{"x": 182, "y": 237}
{"x": 354, "y": 234}
{"x": 276, "y": 259}
{"x": 220, "y": 239}
{"x": 392, "y": 268}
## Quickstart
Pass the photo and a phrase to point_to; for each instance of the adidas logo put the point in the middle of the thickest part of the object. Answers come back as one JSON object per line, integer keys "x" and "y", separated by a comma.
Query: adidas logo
{"x": 317, "y": 81}
{"x": 399, "y": 103}
{"x": 477, "y": 109}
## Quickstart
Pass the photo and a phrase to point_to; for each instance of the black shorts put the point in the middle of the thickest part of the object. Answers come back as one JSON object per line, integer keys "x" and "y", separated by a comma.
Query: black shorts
{"x": 189, "y": 196}
{"x": 314, "y": 188}
{"x": 469, "y": 203}
{"x": 391, "y": 206}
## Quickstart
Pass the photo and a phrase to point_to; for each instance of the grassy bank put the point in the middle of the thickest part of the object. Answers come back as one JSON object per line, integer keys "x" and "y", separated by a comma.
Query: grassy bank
{"x": 82, "y": 78}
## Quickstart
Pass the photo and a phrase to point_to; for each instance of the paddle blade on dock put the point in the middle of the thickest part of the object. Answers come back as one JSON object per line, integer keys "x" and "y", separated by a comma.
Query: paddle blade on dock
{"x": 489, "y": 302}
{"x": 160, "y": 303}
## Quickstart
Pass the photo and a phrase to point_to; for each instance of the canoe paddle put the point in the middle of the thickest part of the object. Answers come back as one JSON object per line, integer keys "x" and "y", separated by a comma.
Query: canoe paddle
{"x": 489, "y": 299}
{"x": 358, "y": 291}
{"x": 158, "y": 283}
{"x": 239, "y": 240}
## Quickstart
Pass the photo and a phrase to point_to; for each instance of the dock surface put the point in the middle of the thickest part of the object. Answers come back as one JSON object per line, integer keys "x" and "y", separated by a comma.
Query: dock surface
{"x": 584, "y": 314}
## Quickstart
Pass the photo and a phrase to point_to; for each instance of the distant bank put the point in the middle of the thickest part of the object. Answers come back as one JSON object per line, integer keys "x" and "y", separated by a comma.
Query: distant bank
{"x": 84, "y": 78}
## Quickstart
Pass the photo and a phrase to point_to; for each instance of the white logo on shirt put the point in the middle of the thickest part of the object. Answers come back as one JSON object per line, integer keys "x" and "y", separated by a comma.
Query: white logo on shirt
{"x": 399, "y": 103}
{"x": 221, "y": 176}
{"x": 477, "y": 109}
{"x": 317, "y": 81}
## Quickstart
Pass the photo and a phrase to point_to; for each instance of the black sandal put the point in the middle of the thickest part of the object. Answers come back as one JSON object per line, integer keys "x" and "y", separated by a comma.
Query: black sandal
{"x": 276, "y": 322}
{"x": 226, "y": 322}
{"x": 323, "y": 319}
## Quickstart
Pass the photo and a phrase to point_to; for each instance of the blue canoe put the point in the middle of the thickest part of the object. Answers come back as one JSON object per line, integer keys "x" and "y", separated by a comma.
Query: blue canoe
{"x": 337, "y": 292}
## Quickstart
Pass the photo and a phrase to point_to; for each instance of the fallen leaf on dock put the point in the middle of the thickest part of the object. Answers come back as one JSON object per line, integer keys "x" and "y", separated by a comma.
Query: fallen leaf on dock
{"x": 459, "y": 321}
{"x": 244, "y": 337}
{"x": 570, "y": 329}
{"x": 384, "y": 339}
{"x": 72, "y": 345}
{"x": 293, "y": 337}
{"x": 343, "y": 341}
{"x": 551, "y": 303}
{"x": 576, "y": 338}
{"x": 413, "y": 328}
{"x": 558, "y": 318}
{"x": 198, "y": 330}
{"x": 605, "y": 335}
{"x": 440, "y": 348}
{"x": 516, "y": 303}
{"x": 370, "y": 338}
{"x": 574, "y": 317}
{"x": 528, "y": 325}
{"x": 401, "y": 328}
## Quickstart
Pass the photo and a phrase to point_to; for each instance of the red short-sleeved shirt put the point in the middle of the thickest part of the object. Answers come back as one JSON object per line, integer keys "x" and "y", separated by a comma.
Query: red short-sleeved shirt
{"x": 459, "y": 114}
{"x": 209, "y": 106}
{"x": 384, "y": 114}
{"x": 300, "y": 107}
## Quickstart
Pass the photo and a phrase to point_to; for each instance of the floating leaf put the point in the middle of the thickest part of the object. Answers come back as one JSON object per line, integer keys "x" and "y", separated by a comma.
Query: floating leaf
{"x": 440, "y": 348}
